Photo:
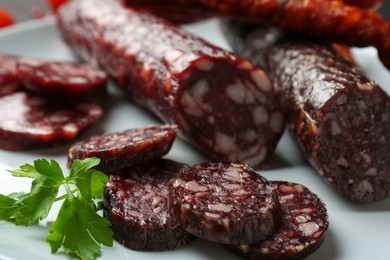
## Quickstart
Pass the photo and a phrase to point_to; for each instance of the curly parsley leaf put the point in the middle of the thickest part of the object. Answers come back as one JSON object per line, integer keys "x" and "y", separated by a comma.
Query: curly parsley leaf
{"x": 79, "y": 229}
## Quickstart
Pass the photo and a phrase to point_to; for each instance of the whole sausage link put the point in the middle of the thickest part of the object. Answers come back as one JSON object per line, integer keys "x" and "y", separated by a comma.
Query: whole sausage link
{"x": 333, "y": 20}
{"x": 339, "y": 116}
{"x": 220, "y": 102}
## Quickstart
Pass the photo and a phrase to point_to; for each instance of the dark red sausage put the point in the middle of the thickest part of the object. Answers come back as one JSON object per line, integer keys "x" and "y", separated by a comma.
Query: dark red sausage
{"x": 221, "y": 103}
{"x": 333, "y": 20}
{"x": 125, "y": 148}
{"x": 225, "y": 203}
{"x": 199, "y": 4}
{"x": 30, "y": 121}
{"x": 137, "y": 206}
{"x": 61, "y": 79}
{"x": 365, "y": 3}
{"x": 339, "y": 116}
{"x": 9, "y": 81}
{"x": 303, "y": 226}
{"x": 176, "y": 14}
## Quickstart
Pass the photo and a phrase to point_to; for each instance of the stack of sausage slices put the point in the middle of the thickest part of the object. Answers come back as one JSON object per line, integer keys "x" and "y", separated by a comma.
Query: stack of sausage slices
{"x": 157, "y": 204}
{"x": 47, "y": 103}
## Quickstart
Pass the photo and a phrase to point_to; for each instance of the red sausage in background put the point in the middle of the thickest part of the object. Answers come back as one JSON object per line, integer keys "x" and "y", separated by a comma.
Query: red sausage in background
{"x": 334, "y": 20}
{"x": 175, "y": 13}
{"x": 366, "y": 3}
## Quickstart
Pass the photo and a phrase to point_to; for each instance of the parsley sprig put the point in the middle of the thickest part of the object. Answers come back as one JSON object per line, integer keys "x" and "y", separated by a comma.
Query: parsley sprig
{"x": 78, "y": 229}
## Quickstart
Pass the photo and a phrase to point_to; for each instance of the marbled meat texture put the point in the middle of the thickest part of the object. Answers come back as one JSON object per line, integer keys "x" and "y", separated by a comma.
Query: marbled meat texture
{"x": 339, "y": 116}
{"x": 225, "y": 203}
{"x": 303, "y": 226}
{"x": 220, "y": 102}
{"x": 136, "y": 203}
{"x": 9, "y": 81}
{"x": 127, "y": 148}
{"x": 61, "y": 79}
{"x": 30, "y": 121}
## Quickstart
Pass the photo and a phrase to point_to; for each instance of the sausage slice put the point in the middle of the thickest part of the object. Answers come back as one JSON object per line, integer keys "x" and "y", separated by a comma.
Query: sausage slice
{"x": 125, "y": 148}
{"x": 61, "y": 79}
{"x": 303, "y": 226}
{"x": 225, "y": 203}
{"x": 30, "y": 121}
{"x": 136, "y": 203}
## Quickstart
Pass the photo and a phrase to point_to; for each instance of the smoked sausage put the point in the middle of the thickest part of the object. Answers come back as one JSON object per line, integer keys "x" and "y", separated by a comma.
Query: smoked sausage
{"x": 334, "y": 20}
{"x": 220, "y": 102}
{"x": 339, "y": 116}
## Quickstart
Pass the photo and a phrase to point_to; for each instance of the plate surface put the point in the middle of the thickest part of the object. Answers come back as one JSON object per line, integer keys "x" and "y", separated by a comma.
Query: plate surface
{"x": 356, "y": 231}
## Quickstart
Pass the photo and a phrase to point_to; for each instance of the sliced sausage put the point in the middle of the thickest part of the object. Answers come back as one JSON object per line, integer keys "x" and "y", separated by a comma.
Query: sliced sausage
{"x": 125, "y": 148}
{"x": 61, "y": 79}
{"x": 302, "y": 230}
{"x": 225, "y": 203}
{"x": 339, "y": 116}
{"x": 30, "y": 121}
{"x": 9, "y": 81}
{"x": 136, "y": 203}
{"x": 221, "y": 103}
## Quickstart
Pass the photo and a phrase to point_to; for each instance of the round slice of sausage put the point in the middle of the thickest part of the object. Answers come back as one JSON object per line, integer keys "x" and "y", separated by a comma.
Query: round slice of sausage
{"x": 30, "y": 121}
{"x": 9, "y": 81}
{"x": 137, "y": 206}
{"x": 225, "y": 203}
{"x": 302, "y": 230}
{"x": 126, "y": 148}
{"x": 61, "y": 78}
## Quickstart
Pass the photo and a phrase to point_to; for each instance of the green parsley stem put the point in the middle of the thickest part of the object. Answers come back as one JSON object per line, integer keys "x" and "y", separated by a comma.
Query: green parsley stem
{"x": 68, "y": 191}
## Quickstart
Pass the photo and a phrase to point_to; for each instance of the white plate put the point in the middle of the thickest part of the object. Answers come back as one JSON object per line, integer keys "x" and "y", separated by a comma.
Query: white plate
{"x": 357, "y": 231}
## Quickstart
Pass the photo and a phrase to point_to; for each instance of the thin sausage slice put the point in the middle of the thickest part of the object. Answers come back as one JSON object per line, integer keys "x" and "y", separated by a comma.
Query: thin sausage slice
{"x": 125, "y": 148}
{"x": 9, "y": 81}
{"x": 136, "y": 203}
{"x": 30, "y": 121}
{"x": 302, "y": 230}
{"x": 225, "y": 203}
{"x": 61, "y": 79}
